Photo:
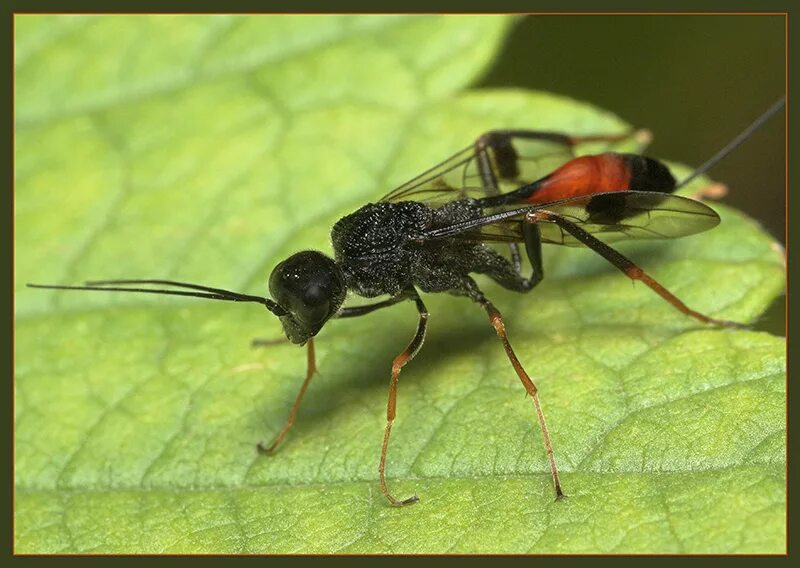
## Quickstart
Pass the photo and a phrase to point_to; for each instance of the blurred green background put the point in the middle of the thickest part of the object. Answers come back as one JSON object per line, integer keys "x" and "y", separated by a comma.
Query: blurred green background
{"x": 695, "y": 81}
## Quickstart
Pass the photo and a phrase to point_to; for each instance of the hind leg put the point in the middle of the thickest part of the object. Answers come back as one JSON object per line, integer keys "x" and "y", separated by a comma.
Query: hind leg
{"x": 623, "y": 263}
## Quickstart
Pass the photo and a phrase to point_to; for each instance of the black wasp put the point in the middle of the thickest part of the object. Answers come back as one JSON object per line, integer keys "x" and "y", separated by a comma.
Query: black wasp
{"x": 509, "y": 188}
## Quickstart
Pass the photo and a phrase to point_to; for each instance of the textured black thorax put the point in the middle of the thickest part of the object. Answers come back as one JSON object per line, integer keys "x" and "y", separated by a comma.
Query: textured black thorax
{"x": 380, "y": 248}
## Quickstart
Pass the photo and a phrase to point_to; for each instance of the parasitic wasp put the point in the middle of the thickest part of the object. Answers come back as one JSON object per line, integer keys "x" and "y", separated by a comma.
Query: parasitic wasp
{"x": 510, "y": 188}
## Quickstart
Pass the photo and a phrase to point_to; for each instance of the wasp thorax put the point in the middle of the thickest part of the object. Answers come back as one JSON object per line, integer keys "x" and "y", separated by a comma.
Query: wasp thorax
{"x": 310, "y": 287}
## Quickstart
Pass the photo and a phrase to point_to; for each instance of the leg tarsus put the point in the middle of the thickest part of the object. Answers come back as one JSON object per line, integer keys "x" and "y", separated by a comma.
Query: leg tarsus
{"x": 265, "y": 450}
{"x": 382, "y": 469}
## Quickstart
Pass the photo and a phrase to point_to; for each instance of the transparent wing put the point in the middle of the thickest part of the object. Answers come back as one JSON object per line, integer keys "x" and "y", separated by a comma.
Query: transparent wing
{"x": 485, "y": 169}
{"x": 616, "y": 216}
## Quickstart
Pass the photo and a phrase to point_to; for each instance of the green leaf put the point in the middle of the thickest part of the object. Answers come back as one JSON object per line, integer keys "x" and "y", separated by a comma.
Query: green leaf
{"x": 207, "y": 149}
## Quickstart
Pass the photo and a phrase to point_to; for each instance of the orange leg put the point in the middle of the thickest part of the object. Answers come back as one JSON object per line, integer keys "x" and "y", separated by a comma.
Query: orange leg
{"x": 397, "y": 365}
{"x": 311, "y": 368}
{"x": 625, "y": 265}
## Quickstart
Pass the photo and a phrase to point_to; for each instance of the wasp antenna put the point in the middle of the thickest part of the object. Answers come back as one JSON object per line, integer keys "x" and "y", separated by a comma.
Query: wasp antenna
{"x": 758, "y": 123}
{"x": 207, "y": 292}
{"x": 221, "y": 291}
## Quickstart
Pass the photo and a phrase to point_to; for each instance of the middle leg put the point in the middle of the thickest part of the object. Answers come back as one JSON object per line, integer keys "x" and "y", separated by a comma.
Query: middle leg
{"x": 391, "y": 408}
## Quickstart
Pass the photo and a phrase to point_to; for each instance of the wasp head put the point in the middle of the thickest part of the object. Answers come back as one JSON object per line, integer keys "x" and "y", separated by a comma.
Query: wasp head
{"x": 310, "y": 288}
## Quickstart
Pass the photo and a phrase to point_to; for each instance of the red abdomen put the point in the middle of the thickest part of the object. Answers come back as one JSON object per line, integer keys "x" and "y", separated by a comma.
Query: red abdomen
{"x": 584, "y": 176}
{"x": 601, "y": 173}
{"x": 589, "y": 175}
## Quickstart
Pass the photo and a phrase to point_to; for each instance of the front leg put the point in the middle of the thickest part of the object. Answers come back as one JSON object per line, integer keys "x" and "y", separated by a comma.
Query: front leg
{"x": 311, "y": 368}
{"x": 356, "y": 311}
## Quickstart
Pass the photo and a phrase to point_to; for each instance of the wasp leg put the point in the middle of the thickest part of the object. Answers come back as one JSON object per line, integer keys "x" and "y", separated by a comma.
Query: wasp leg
{"x": 712, "y": 191}
{"x": 356, "y": 311}
{"x": 506, "y": 160}
{"x": 533, "y": 248}
{"x": 311, "y": 368}
{"x": 343, "y": 313}
{"x": 496, "y": 319}
{"x": 261, "y": 342}
{"x": 397, "y": 365}
{"x": 624, "y": 264}
{"x": 501, "y": 270}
